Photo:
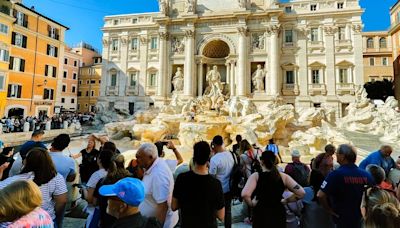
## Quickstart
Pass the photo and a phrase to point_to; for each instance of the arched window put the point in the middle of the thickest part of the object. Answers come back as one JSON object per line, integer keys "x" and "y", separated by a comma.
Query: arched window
{"x": 382, "y": 43}
{"x": 370, "y": 43}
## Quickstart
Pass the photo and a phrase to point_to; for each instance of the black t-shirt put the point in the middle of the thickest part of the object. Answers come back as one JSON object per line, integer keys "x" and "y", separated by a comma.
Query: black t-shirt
{"x": 89, "y": 164}
{"x": 136, "y": 221}
{"x": 199, "y": 198}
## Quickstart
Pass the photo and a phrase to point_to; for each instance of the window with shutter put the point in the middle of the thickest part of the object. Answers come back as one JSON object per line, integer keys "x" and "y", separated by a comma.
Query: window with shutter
{"x": 48, "y": 50}
{"x": 46, "y": 70}
{"x": 19, "y": 91}
{"x": 24, "y": 41}
{"x": 17, "y": 64}
{"x": 22, "y": 66}
{"x": 45, "y": 94}
{"x": 9, "y": 91}
{"x": 55, "y": 51}
{"x": 13, "y": 38}
{"x": 11, "y": 66}
{"x": 3, "y": 28}
{"x": 54, "y": 72}
{"x": 25, "y": 23}
{"x": 2, "y": 81}
{"x": 4, "y": 55}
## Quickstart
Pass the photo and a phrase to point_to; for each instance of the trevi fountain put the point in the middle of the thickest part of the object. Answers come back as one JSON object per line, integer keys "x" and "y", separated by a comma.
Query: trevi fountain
{"x": 186, "y": 121}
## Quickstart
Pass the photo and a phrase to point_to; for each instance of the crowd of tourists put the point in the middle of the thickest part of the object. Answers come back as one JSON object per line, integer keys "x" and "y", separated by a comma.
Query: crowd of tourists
{"x": 57, "y": 121}
{"x": 38, "y": 187}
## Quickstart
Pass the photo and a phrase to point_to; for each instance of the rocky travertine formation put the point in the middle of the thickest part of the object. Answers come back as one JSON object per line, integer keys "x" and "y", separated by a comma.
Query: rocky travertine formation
{"x": 307, "y": 130}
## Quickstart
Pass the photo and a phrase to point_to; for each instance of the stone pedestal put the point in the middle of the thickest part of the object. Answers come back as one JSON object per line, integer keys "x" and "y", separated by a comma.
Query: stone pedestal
{"x": 259, "y": 95}
{"x": 48, "y": 125}
{"x": 26, "y": 127}
{"x": 65, "y": 125}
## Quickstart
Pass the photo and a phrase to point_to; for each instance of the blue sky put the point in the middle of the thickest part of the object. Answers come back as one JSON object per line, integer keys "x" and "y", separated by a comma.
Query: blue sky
{"x": 85, "y": 17}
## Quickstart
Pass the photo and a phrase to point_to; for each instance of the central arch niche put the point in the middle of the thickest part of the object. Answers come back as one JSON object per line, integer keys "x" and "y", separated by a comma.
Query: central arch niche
{"x": 214, "y": 53}
{"x": 216, "y": 49}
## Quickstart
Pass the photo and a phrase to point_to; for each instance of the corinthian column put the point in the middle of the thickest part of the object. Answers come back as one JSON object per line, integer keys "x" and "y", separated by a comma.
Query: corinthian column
{"x": 162, "y": 74}
{"x": 330, "y": 79}
{"x": 189, "y": 63}
{"x": 242, "y": 61}
{"x": 273, "y": 30}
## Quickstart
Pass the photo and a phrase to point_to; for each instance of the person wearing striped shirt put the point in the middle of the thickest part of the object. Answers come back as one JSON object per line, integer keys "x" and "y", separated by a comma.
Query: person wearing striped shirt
{"x": 274, "y": 148}
{"x": 40, "y": 168}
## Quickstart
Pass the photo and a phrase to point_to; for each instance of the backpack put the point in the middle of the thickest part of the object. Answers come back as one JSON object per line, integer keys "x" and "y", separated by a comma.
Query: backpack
{"x": 300, "y": 173}
{"x": 237, "y": 179}
{"x": 255, "y": 163}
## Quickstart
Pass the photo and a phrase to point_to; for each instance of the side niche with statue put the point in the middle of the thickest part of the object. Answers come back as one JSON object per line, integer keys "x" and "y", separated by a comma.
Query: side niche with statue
{"x": 177, "y": 80}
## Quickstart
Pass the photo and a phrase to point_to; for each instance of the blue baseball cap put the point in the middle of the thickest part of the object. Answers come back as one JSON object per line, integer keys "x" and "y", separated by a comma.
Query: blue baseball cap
{"x": 130, "y": 190}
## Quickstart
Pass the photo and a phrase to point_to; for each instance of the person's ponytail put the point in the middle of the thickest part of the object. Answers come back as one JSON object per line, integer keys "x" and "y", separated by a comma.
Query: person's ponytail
{"x": 270, "y": 161}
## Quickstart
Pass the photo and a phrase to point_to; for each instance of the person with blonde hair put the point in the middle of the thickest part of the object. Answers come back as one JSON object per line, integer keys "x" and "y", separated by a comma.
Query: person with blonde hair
{"x": 20, "y": 206}
{"x": 380, "y": 209}
{"x": 39, "y": 167}
{"x": 89, "y": 163}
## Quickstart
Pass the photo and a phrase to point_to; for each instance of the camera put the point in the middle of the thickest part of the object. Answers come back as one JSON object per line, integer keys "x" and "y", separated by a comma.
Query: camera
{"x": 164, "y": 143}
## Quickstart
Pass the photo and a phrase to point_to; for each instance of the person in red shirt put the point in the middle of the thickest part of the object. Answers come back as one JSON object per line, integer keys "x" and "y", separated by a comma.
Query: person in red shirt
{"x": 324, "y": 161}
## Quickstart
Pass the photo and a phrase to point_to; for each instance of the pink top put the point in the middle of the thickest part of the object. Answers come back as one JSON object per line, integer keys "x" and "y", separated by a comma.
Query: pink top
{"x": 37, "y": 218}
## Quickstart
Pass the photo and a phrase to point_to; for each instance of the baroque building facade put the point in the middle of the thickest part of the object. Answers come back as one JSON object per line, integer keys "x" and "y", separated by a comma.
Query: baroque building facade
{"x": 309, "y": 53}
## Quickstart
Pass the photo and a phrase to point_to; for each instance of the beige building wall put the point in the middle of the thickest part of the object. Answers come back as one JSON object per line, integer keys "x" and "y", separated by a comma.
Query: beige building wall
{"x": 377, "y": 54}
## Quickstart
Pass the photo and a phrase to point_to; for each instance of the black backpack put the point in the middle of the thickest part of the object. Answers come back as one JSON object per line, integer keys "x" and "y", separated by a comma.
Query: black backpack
{"x": 255, "y": 163}
{"x": 300, "y": 174}
{"x": 237, "y": 179}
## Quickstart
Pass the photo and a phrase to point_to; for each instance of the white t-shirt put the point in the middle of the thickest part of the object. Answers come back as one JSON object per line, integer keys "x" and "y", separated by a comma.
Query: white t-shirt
{"x": 96, "y": 177}
{"x": 221, "y": 165}
{"x": 159, "y": 184}
{"x": 172, "y": 164}
{"x": 54, "y": 187}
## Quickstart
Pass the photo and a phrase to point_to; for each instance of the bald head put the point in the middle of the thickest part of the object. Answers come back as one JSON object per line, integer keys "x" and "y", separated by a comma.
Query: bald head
{"x": 386, "y": 150}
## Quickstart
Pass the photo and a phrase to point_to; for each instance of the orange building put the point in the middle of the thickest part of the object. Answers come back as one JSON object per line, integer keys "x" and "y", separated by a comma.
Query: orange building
{"x": 6, "y": 23}
{"x": 36, "y": 57}
{"x": 68, "y": 87}
{"x": 377, "y": 52}
{"x": 394, "y": 32}
{"x": 89, "y": 77}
